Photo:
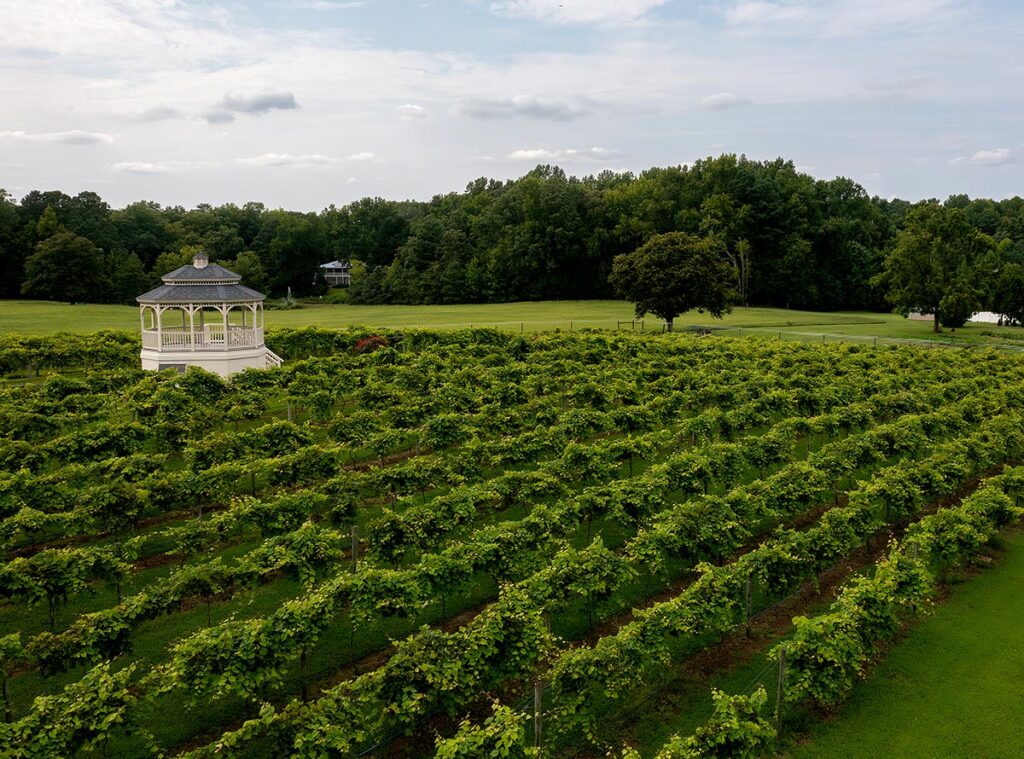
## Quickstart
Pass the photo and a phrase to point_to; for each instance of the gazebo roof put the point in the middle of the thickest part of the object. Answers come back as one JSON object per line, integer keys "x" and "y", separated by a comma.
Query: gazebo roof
{"x": 201, "y": 282}
{"x": 208, "y": 273}
{"x": 210, "y": 293}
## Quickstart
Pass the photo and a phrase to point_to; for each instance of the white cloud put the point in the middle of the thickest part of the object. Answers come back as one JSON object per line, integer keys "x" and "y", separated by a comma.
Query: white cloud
{"x": 994, "y": 157}
{"x": 547, "y": 109}
{"x": 156, "y": 113}
{"x": 364, "y": 156}
{"x": 410, "y": 111}
{"x": 570, "y": 154}
{"x": 140, "y": 167}
{"x": 577, "y": 11}
{"x": 72, "y": 137}
{"x": 161, "y": 167}
{"x": 722, "y": 101}
{"x": 287, "y": 159}
{"x": 760, "y": 12}
{"x": 837, "y": 18}
{"x": 328, "y": 5}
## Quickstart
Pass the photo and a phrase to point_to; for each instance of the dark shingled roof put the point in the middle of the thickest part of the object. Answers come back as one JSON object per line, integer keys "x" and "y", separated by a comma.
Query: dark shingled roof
{"x": 191, "y": 273}
{"x": 200, "y": 293}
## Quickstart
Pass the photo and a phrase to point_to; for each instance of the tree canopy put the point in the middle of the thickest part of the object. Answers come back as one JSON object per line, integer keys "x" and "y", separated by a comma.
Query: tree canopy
{"x": 792, "y": 240}
{"x": 674, "y": 273}
{"x": 67, "y": 267}
{"x": 933, "y": 265}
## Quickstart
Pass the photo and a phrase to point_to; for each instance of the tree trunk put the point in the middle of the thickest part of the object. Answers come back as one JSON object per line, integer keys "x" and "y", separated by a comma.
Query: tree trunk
{"x": 936, "y": 327}
{"x": 668, "y": 323}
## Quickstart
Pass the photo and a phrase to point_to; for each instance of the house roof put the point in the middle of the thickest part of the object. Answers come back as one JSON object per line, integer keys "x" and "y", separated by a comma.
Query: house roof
{"x": 336, "y": 265}
{"x": 202, "y": 293}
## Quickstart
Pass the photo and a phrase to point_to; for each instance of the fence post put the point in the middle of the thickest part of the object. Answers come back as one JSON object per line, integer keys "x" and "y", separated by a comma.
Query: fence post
{"x": 748, "y": 600}
{"x": 780, "y": 696}
{"x": 537, "y": 701}
{"x": 355, "y": 547}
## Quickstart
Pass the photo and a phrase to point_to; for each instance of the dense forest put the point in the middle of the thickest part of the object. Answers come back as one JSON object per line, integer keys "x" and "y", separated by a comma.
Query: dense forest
{"x": 794, "y": 240}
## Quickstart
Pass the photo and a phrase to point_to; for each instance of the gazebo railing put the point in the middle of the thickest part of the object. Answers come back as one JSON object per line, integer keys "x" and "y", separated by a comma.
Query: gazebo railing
{"x": 211, "y": 338}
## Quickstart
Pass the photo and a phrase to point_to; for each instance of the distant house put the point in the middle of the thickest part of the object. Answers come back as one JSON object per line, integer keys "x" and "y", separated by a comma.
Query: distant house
{"x": 336, "y": 273}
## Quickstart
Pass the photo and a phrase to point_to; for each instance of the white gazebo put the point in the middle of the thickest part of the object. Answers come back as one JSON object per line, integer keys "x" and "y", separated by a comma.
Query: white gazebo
{"x": 202, "y": 316}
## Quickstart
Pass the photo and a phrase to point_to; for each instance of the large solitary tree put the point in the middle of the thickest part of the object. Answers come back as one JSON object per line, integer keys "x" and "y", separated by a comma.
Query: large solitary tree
{"x": 674, "y": 273}
{"x": 931, "y": 267}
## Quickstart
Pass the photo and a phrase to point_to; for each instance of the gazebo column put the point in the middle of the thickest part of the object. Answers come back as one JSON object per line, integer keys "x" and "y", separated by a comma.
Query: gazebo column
{"x": 224, "y": 310}
{"x": 192, "y": 326}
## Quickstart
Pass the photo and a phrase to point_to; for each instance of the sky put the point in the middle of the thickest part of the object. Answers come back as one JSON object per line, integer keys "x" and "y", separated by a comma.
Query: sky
{"x": 302, "y": 104}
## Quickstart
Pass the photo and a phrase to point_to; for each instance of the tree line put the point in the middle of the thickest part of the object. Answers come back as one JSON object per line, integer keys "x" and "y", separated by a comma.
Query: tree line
{"x": 790, "y": 241}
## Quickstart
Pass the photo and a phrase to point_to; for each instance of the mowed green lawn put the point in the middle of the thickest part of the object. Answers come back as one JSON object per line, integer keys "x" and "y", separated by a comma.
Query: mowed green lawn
{"x": 954, "y": 688}
{"x": 43, "y": 317}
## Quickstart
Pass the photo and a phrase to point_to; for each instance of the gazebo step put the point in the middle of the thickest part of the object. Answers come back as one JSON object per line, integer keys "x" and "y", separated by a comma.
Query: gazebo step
{"x": 272, "y": 359}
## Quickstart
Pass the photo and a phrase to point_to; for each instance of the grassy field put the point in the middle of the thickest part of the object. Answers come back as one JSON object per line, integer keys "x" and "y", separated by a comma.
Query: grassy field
{"x": 42, "y": 317}
{"x": 950, "y": 688}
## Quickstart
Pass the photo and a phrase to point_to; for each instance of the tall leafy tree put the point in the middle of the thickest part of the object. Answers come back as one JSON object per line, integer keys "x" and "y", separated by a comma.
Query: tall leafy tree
{"x": 12, "y": 249}
{"x": 1008, "y": 294}
{"x": 126, "y": 276}
{"x": 674, "y": 273}
{"x": 926, "y": 269}
{"x": 143, "y": 229}
{"x": 67, "y": 267}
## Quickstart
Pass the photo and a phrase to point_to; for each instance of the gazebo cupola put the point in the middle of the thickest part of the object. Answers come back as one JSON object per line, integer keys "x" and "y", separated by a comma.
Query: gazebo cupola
{"x": 202, "y": 316}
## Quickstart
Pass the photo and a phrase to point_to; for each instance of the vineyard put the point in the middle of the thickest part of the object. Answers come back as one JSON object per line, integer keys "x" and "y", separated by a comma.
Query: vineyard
{"x": 471, "y": 543}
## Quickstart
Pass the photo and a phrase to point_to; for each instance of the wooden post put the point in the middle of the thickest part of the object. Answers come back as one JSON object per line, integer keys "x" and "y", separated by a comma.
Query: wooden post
{"x": 355, "y": 548}
{"x": 780, "y": 695}
{"x": 537, "y": 700}
{"x": 748, "y": 600}
{"x": 288, "y": 401}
